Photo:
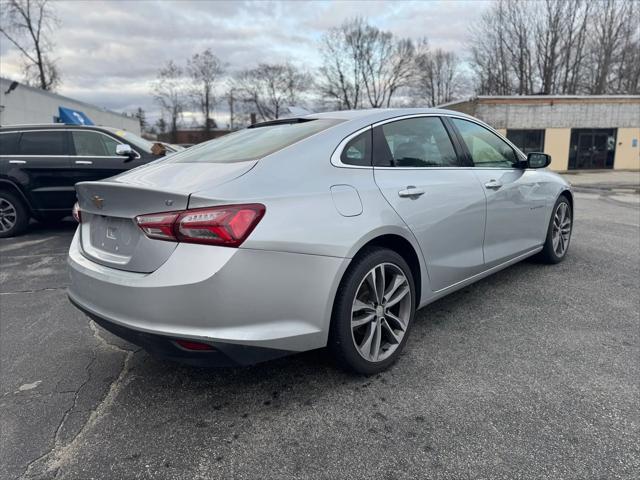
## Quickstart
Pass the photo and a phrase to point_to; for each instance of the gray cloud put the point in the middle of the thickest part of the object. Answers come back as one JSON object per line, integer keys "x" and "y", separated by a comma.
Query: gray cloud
{"x": 109, "y": 51}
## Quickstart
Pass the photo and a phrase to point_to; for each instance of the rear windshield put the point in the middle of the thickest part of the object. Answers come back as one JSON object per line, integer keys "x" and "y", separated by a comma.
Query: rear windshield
{"x": 252, "y": 143}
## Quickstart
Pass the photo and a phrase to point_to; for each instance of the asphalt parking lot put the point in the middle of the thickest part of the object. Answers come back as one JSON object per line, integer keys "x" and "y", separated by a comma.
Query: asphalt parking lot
{"x": 531, "y": 373}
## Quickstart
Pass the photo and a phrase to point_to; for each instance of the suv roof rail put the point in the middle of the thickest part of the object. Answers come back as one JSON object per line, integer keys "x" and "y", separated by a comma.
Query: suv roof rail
{"x": 32, "y": 124}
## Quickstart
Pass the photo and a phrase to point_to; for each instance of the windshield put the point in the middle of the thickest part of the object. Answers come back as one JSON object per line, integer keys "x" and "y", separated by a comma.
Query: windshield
{"x": 252, "y": 143}
{"x": 133, "y": 138}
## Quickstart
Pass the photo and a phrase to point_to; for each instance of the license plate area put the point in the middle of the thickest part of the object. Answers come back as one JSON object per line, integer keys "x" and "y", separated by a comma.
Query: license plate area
{"x": 113, "y": 235}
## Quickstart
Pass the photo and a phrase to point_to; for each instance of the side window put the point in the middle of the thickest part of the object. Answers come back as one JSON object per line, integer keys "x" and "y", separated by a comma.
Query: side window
{"x": 88, "y": 144}
{"x": 358, "y": 150}
{"x": 415, "y": 142}
{"x": 43, "y": 143}
{"x": 9, "y": 143}
{"x": 485, "y": 147}
{"x": 110, "y": 145}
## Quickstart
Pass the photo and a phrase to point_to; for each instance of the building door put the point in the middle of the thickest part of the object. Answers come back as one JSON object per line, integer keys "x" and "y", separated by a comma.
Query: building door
{"x": 592, "y": 148}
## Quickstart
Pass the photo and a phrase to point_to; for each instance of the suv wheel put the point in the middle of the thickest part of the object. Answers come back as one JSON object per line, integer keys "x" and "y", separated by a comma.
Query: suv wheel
{"x": 14, "y": 216}
{"x": 373, "y": 312}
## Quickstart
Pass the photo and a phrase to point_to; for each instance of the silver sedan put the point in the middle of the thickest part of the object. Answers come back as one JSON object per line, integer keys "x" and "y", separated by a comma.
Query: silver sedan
{"x": 325, "y": 230}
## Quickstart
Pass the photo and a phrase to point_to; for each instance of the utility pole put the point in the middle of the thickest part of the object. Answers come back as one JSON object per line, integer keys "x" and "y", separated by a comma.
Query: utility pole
{"x": 231, "y": 100}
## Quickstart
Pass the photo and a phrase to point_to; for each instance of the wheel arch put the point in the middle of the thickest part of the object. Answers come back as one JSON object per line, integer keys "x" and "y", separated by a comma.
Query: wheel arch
{"x": 10, "y": 186}
{"x": 567, "y": 193}
{"x": 403, "y": 243}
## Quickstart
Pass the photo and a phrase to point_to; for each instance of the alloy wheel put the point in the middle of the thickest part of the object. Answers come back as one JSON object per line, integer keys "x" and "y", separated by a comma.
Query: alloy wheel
{"x": 380, "y": 312}
{"x": 561, "y": 232}
{"x": 8, "y": 215}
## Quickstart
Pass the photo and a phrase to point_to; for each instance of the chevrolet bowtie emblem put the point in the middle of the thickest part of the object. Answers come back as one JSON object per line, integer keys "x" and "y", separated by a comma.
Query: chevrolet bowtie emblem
{"x": 98, "y": 201}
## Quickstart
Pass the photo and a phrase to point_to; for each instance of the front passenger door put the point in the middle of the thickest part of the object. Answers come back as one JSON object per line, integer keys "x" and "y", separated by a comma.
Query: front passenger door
{"x": 94, "y": 156}
{"x": 516, "y": 198}
{"x": 421, "y": 175}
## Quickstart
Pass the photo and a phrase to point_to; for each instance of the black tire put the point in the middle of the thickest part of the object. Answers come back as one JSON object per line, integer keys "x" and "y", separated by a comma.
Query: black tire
{"x": 342, "y": 342}
{"x": 16, "y": 223}
{"x": 549, "y": 254}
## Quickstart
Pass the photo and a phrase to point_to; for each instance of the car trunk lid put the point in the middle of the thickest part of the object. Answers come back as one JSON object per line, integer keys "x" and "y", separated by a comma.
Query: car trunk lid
{"x": 109, "y": 233}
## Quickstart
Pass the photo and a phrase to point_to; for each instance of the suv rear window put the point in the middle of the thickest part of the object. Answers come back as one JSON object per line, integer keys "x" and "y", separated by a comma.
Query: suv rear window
{"x": 43, "y": 143}
{"x": 253, "y": 143}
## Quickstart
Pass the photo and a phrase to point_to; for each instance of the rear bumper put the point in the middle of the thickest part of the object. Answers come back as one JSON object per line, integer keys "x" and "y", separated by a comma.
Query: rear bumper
{"x": 221, "y": 355}
{"x": 229, "y": 298}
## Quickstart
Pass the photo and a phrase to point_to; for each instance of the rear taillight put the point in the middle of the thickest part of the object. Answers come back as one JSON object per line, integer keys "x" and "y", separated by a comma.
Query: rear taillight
{"x": 227, "y": 225}
{"x": 77, "y": 216}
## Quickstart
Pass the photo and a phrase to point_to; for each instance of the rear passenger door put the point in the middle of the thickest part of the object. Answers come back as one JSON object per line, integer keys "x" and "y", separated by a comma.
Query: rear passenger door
{"x": 424, "y": 179}
{"x": 43, "y": 159}
{"x": 94, "y": 155}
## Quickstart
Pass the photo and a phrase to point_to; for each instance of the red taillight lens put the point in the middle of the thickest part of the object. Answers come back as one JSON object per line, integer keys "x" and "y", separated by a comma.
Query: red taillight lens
{"x": 77, "y": 216}
{"x": 227, "y": 225}
{"x": 189, "y": 345}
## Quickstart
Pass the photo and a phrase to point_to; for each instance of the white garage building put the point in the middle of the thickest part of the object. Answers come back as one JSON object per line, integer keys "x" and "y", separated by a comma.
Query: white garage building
{"x": 21, "y": 104}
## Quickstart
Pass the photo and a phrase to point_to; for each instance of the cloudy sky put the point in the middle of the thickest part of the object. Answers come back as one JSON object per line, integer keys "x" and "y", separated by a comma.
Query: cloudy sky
{"x": 109, "y": 52}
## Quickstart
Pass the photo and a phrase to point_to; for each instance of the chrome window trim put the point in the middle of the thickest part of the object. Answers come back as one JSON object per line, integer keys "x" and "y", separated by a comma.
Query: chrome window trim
{"x": 137, "y": 157}
{"x": 337, "y": 153}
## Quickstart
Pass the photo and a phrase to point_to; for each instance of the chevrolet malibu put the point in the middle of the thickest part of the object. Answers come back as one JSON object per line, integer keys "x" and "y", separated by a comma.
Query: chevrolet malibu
{"x": 325, "y": 230}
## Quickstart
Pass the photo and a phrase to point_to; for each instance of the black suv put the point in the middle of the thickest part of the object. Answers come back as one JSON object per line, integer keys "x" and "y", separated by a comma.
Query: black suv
{"x": 40, "y": 164}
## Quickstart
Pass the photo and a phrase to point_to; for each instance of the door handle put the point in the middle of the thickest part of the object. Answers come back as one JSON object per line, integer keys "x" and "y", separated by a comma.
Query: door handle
{"x": 18, "y": 162}
{"x": 411, "y": 192}
{"x": 493, "y": 184}
{"x": 84, "y": 162}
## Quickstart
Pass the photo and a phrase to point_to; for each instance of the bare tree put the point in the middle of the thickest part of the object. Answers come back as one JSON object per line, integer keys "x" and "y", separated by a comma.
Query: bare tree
{"x": 573, "y": 52}
{"x": 204, "y": 69}
{"x": 628, "y": 69}
{"x": 26, "y": 23}
{"x": 141, "y": 115}
{"x": 438, "y": 75}
{"x": 362, "y": 62}
{"x": 557, "y": 46}
{"x": 342, "y": 55}
{"x": 548, "y": 34}
{"x": 270, "y": 88}
{"x": 169, "y": 93}
{"x": 609, "y": 28}
{"x": 489, "y": 55}
{"x": 161, "y": 125}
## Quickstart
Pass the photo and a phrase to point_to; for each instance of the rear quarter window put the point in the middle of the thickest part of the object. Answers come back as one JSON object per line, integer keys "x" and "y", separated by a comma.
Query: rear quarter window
{"x": 43, "y": 143}
{"x": 252, "y": 143}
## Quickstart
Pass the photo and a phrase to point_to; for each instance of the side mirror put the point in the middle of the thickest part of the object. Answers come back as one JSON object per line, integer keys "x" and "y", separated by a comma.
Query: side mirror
{"x": 125, "y": 150}
{"x": 538, "y": 160}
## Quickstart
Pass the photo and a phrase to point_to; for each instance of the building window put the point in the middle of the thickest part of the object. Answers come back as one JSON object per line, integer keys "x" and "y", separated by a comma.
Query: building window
{"x": 527, "y": 140}
{"x": 592, "y": 148}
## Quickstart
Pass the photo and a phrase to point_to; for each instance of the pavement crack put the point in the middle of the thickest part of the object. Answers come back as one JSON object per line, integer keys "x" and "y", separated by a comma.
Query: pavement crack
{"x": 102, "y": 341}
{"x": 56, "y": 436}
{"x": 37, "y": 290}
{"x": 50, "y": 463}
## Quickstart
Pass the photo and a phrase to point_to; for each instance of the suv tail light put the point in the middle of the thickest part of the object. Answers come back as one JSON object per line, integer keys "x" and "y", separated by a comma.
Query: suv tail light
{"x": 227, "y": 225}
